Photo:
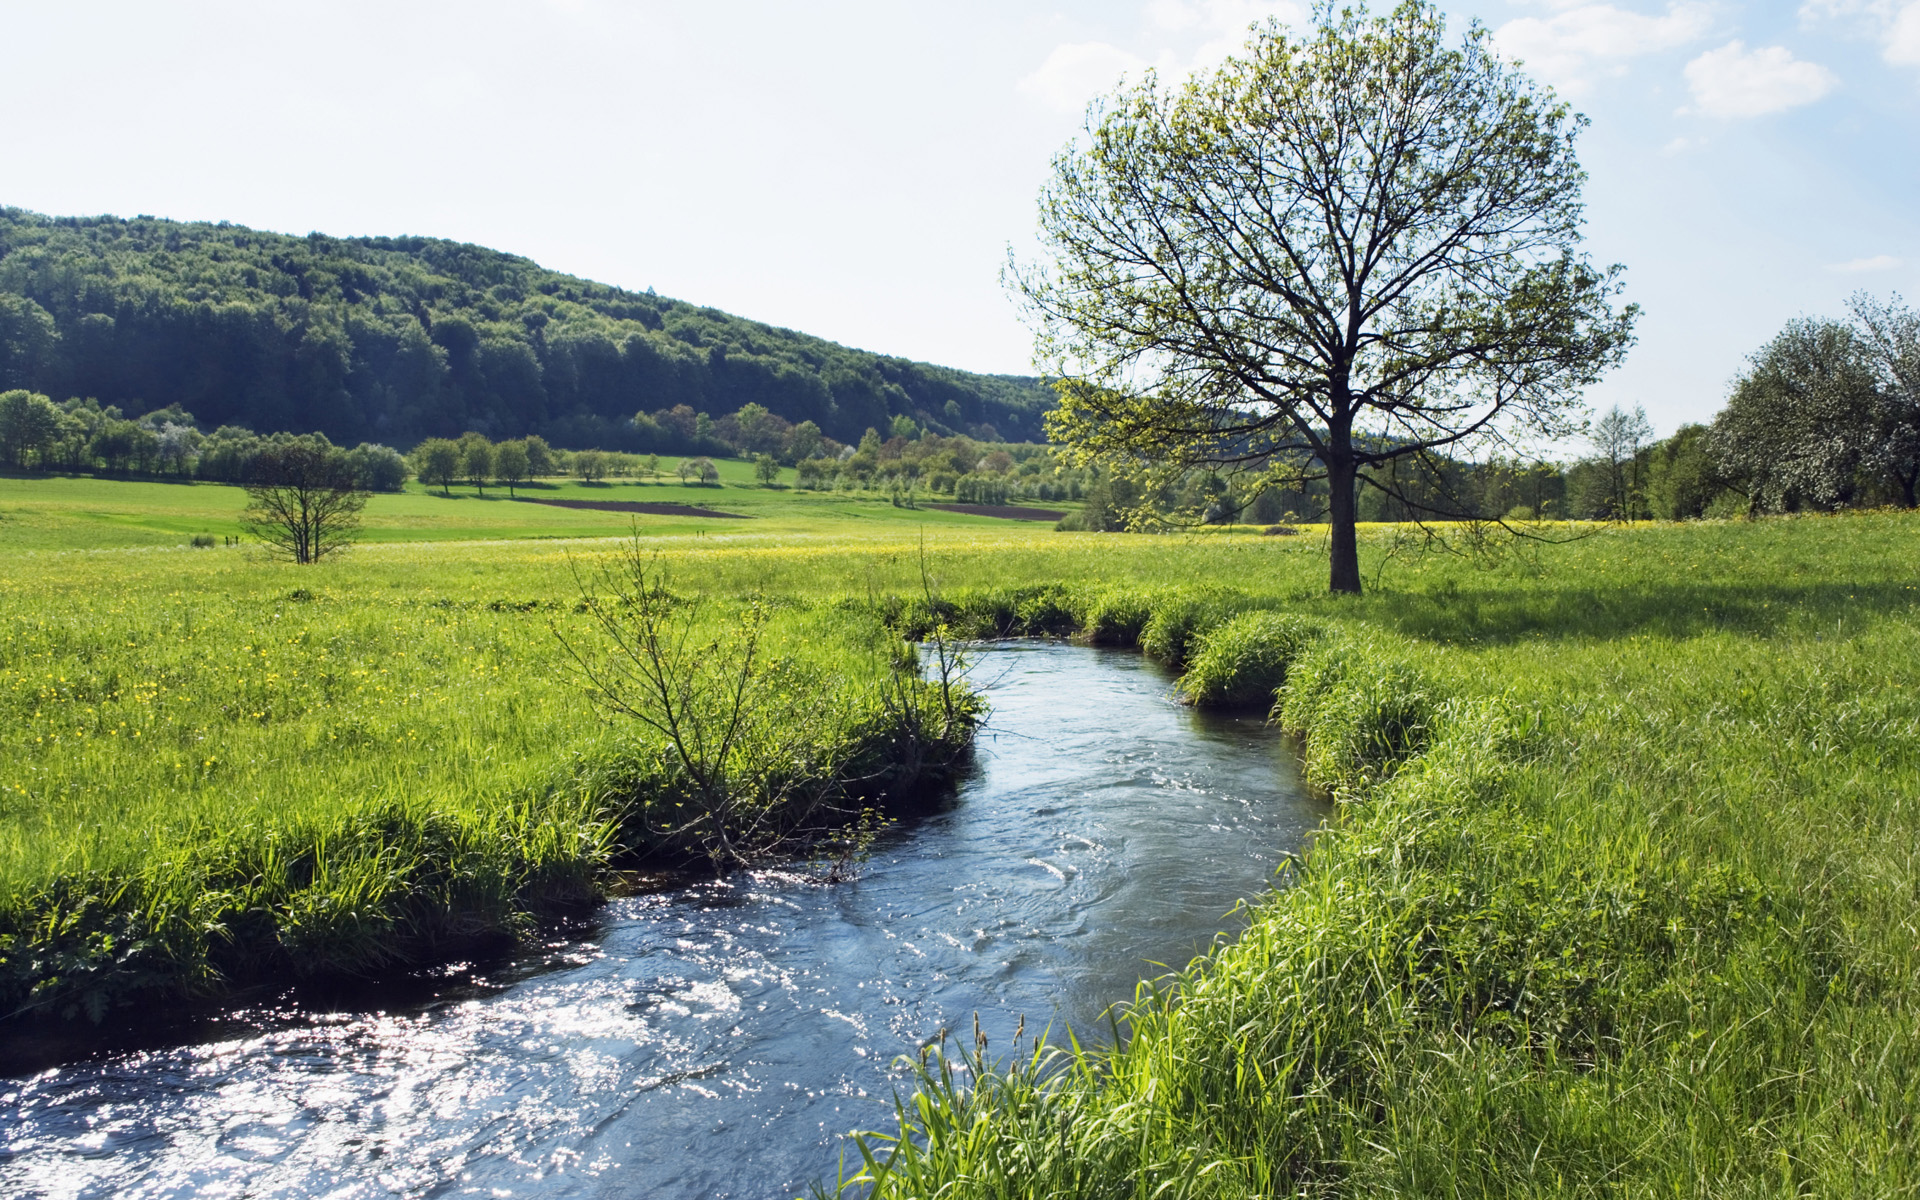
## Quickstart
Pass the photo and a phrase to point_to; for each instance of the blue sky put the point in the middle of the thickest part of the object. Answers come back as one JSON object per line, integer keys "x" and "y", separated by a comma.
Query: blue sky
{"x": 858, "y": 169}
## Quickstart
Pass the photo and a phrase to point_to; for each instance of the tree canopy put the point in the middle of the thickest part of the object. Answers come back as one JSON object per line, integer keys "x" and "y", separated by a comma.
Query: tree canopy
{"x": 399, "y": 339}
{"x": 1333, "y": 253}
{"x": 1827, "y": 412}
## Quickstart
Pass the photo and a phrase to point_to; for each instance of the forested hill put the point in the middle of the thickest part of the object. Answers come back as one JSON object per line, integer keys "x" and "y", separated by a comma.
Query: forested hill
{"x": 396, "y": 339}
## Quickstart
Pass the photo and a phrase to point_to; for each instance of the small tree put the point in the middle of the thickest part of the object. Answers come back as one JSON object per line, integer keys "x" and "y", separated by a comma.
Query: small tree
{"x": 705, "y": 470}
{"x": 806, "y": 441}
{"x": 510, "y": 463}
{"x": 303, "y": 500}
{"x": 29, "y": 423}
{"x": 813, "y": 473}
{"x": 590, "y": 465}
{"x": 1618, "y": 436}
{"x": 651, "y": 464}
{"x": 766, "y": 470}
{"x": 476, "y": 460}
{"x": 437, "y": 460}
{"x": 540, "y": 457}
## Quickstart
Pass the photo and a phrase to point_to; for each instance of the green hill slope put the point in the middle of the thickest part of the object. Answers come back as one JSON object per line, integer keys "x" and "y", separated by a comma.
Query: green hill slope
{"x": 395, "y": 339}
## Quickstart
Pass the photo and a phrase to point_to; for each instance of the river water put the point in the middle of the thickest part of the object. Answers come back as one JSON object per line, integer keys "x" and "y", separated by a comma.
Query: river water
{"x": 721, "y": 1038}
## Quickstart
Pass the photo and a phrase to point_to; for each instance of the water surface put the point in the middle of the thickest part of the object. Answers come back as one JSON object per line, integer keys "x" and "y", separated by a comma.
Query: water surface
{"x": 719, "y": 1039}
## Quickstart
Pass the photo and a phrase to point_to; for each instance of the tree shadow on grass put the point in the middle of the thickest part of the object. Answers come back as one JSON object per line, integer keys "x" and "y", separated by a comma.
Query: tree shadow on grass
{"x": 1673, "y": 610}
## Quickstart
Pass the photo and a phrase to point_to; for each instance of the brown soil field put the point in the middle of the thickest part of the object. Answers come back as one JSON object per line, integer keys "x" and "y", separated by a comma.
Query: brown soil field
{"x": 644, "y": 507}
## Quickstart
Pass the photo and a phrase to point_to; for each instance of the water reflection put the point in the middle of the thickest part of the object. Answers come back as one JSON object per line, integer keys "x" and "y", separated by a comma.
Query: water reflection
{"x": 719, "y": 1040}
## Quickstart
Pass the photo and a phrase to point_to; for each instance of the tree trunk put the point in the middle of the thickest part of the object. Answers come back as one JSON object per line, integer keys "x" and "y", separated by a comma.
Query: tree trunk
{"x": 1344, "y": 573}
{"x": 1908, "y": 483}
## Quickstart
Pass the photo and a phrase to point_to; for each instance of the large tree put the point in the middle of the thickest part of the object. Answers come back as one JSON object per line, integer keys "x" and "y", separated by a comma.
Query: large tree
{"x": 1335, "y": 252}
{"x": 303, "y": 500}
{"x": 1805, "y": 425}
{"x": 1890, "y": 336}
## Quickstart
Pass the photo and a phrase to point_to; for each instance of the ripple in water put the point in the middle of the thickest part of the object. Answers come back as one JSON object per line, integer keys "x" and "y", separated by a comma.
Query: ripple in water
{"x": 721, "y": 1039}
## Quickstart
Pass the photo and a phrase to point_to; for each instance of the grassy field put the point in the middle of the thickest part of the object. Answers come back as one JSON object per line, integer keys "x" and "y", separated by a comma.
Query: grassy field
{"x": 83, "y": 513}
{"x": 1624, "y": 896}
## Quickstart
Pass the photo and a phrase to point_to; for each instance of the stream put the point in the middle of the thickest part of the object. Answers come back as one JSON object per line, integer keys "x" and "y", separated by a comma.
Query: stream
{"x": 721, "y": 1038}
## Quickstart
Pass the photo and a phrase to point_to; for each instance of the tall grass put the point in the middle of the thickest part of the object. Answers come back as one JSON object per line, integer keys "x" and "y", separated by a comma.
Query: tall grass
{"x": 1609, "y": 910}
{"x": 216, "y": 779}
{"x": 1624, "y": 896}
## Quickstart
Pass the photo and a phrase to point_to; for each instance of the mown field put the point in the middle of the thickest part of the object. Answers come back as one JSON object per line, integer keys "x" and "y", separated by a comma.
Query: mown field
{"x": 1621, "y": 899}
{"x": 75, "y": 513}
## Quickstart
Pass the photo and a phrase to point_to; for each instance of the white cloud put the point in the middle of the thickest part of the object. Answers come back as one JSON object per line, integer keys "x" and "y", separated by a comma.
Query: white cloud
{"x": 1902, "y": 39}
{"x": 1895, "y": 22}
{"x": 1075, "y": 72}
{"x": 1879, "y": 262}
{"x": 1734, "y": 81}
{"x": 1585, "y": 41}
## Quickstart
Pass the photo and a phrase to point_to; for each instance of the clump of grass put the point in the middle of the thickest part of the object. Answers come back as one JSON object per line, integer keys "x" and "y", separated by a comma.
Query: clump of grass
{"x": 1243, "y": 662}
{"x": 1115, "y": 616}
{"x": 1178, "y": 620}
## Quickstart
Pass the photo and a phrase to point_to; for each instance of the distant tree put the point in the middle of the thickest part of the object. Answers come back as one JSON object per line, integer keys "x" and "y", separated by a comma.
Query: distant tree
{"x": 590, "y": 465}
{"x": 303, "y": 500}
{"x": 704, "y": 470}
{"x": 651, "y": 464}
{"x": 680, "y": 421}
{"x": 476, "y": 460}
{"x": 758, "y": 431}
{"x": 540, "y": 460}
{"x": 814, "y": 473}
{"x": 29, "y": 423}
{"x": 806, "y": 441}
{"x": 438, "y": 460}
{"x": 687, "y": 469}
{"x": 1802, "y": 423}
{"x": 1890, "y": 333}
{"x": 510, "y": 463}
{"x": 767, "y": 469}
{"x": 905, "y": 427}
{"x": 1682, "y": 482}
{"x": 1337, "y": 251}
{"x": 378, "y": 468}
{"x": 1618, "y": 436}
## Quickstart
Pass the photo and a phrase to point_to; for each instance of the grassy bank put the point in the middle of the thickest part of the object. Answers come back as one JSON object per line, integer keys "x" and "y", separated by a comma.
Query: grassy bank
{"x": 1622, "y": 900}
{"x": 212, "y": 777}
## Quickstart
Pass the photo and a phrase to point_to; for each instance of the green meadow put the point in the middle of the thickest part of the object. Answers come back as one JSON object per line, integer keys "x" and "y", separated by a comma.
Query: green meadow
{"x": 1622, "y": 895}
{"x": 79, "y": 512}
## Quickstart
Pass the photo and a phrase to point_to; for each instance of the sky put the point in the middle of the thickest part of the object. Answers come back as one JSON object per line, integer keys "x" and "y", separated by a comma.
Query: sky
{"x": 861, "y": 170}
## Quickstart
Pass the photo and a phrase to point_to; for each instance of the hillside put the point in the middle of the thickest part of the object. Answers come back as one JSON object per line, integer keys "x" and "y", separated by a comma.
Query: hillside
{"x": 396, "y": 339}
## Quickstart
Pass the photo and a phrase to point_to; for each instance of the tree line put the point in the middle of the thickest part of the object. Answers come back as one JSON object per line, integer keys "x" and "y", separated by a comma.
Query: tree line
{"x": 83, "y": 435}
{"x": 398, "y": 339}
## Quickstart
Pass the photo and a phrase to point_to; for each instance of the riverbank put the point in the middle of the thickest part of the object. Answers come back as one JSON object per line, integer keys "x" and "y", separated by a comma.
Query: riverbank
{"x": 1622, "y": 890}
{"x": 1623, "y": 897}
{"x": 213, "y": 780}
